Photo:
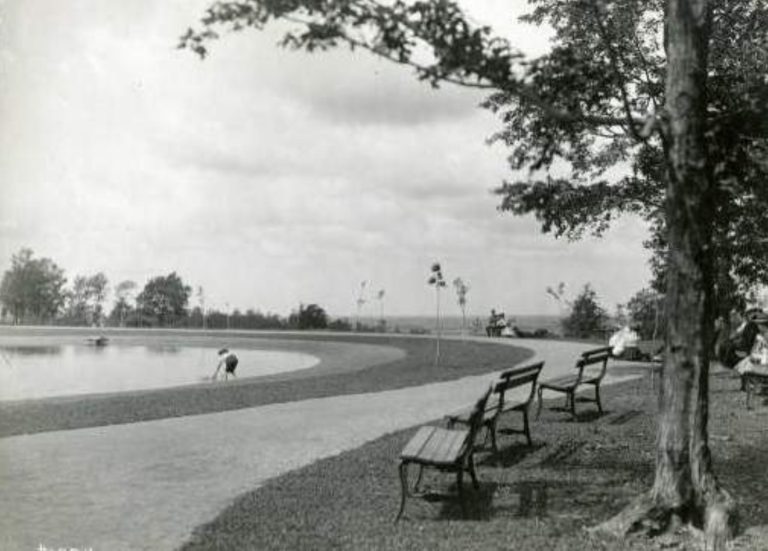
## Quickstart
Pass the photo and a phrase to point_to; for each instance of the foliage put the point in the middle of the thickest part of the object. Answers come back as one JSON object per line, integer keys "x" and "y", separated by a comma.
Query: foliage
{"x": 587, "y": 318}
{"x": 646, "y": 313}
{"x": 462, "y": 288}
{"x": 85, "y": 300}
{"x": 163, "y": 300}
{"x": 360, "y": 302}
{"x": 621, "y": 39}
{"x": 340, "y": 325}
{"x": 32, "y": 290}
{"x": 438, "y": 281}
{"x": 123, "y": 293}
{"x": 310, "y": 316}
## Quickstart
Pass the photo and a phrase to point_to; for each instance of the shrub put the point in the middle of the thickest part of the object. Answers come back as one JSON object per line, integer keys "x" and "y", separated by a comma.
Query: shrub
{"x": 587, "y": 318}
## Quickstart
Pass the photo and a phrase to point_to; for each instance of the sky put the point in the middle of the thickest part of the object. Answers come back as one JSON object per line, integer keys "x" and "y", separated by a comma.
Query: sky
{"x": 268, "y": 177}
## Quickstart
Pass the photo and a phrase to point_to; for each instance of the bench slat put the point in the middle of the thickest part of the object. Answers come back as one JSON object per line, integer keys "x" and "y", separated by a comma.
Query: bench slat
{"x": 440, "y": 445}
{"x": 416, "y": 444}
{"x": 560, "y": 382}
{"x": 431, "y": 450}
{"x": 514, "y": 382}
{"x": 453, "y": 451}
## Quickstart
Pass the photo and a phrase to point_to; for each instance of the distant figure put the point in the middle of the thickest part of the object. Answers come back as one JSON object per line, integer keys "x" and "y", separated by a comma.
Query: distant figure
{"x": 757, "y": 357}
{"x": 496, "y": 324}
{"x": 625, "y": 343}
{"x": 229, "y": 360}
{"x": 98, "y": 341}
{"x": 732, "y": 349}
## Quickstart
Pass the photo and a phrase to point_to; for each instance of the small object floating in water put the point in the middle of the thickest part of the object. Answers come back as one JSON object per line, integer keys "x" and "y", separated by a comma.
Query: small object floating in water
{"x": 98, "y": 341}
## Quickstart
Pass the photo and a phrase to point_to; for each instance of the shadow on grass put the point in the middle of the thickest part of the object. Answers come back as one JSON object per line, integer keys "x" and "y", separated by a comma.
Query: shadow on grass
{"x": 539, "y": 499}
{"x": 511, "y": 455}
{"x": 625, "y": 417}
{"x": 586, "y": 416}
{"x": 478, "y": 503}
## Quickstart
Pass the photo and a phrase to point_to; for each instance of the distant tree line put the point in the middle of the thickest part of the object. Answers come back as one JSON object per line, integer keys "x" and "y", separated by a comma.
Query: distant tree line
{"x": 586, "y": 318}
{"x": 34, "y": 291}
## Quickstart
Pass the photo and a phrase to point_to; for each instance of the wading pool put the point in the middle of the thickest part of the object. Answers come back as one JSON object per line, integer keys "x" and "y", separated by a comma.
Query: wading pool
{"x": 70, "y": 369}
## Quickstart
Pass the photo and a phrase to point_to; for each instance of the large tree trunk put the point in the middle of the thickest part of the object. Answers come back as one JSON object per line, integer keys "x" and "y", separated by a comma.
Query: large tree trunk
{"x": 685, "y": 489}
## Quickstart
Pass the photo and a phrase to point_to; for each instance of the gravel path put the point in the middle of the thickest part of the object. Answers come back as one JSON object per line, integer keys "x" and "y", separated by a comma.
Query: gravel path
{"x": 146, "y": 485}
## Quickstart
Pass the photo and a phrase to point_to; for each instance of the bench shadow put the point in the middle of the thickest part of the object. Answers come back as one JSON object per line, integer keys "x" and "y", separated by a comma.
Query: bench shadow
{"x": 526, "y": 499}
{"x": 521, "y": 499}
{"x": 478, "y": 503}
{"x": 586, "y": 416}
{"x": 510, "y": 455}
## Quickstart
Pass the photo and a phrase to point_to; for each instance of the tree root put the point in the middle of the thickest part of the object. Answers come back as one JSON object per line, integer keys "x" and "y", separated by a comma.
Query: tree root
{"x": 714, "y": 523}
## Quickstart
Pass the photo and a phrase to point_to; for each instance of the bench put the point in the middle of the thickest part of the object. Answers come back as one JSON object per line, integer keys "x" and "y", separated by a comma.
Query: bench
{"x": 591, "y": 367}
{"x": 754, "y": 382}
{"x": 500, "y": 403}
{"x": 444, "y": 449}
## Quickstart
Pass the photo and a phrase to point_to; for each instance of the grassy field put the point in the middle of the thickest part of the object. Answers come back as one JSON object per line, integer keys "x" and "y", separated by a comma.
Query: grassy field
{"x": 577, "y": 474}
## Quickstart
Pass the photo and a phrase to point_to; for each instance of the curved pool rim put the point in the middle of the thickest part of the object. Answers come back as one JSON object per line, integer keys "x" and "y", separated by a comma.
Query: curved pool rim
{"x": 333, "y": 355}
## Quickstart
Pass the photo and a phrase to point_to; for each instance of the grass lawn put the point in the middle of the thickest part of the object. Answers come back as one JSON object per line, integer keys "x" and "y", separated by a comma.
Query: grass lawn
{"x": 577, "y": 474}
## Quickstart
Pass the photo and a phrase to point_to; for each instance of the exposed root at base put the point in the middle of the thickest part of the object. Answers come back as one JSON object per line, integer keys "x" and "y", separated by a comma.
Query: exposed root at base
{"x": 645, "y": 516}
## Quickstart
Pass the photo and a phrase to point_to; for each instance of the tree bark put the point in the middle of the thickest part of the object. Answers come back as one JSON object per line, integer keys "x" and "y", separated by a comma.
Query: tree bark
{"x": 685, "y": 489}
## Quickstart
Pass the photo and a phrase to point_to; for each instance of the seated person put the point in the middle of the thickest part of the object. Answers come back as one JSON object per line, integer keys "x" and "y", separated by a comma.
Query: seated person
{"x": 731, "y": 349}
{"x": 758, "y": 354}
{"x": 496, "y": 324}
{"x": 625, "y": 343}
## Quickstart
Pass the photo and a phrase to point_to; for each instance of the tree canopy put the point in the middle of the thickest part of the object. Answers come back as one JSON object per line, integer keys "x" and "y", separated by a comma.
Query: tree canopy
{"x": 33, "y": 288}
{"x": 164, "y": 298}
{"x": 86, "y": 299}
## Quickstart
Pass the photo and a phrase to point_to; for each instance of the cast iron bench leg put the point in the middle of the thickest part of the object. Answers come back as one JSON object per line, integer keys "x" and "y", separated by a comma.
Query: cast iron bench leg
{"x": 526, "y": 427}
{"x": 539, "y": 392}
{"x": 404, "y": 486}
{"x": 460, "y": 486}
{"x": 492, "y": 429}
{"x": 597, "y": 398}
{"x": 473, "y": 473}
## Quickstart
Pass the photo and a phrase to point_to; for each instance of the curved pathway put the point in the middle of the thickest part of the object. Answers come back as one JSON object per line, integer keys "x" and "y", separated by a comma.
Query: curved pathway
{"x": 147, "y": 485}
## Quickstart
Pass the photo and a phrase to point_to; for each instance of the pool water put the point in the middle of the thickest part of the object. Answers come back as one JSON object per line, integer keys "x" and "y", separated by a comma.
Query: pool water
{"x": 45, "y": 371}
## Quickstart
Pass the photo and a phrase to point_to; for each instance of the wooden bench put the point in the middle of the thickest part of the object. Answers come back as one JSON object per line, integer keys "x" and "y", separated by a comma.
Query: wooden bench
{"x": 591, "y": 367}
{"x": 445, "y": 450}
{"x": 754, "y": 382}
{"x": 500, "y": 403}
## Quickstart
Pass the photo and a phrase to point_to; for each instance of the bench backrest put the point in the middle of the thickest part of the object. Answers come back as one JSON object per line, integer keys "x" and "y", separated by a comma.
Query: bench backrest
{"x": 597, "y": 351}
{"x": 594, "y": 362}
{"x": 476, "y": 421}
{"x": 517, "y": 377}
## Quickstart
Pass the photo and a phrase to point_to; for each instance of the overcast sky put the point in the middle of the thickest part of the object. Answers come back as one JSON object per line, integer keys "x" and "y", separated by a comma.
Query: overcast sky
{"x": 267, "y": 177}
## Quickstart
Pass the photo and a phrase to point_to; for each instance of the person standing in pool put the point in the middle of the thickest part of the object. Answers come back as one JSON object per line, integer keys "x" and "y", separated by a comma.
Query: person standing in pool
{"x": 229, "y": 360}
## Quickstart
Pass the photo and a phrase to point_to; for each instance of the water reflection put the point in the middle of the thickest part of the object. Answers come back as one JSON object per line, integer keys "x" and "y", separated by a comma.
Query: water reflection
{"x": 11, "y": 351}
{"x": 163, "y": 349}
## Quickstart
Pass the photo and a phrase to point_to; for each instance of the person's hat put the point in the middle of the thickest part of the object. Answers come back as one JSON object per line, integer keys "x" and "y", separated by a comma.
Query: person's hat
{"x": 223, "y": 351}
